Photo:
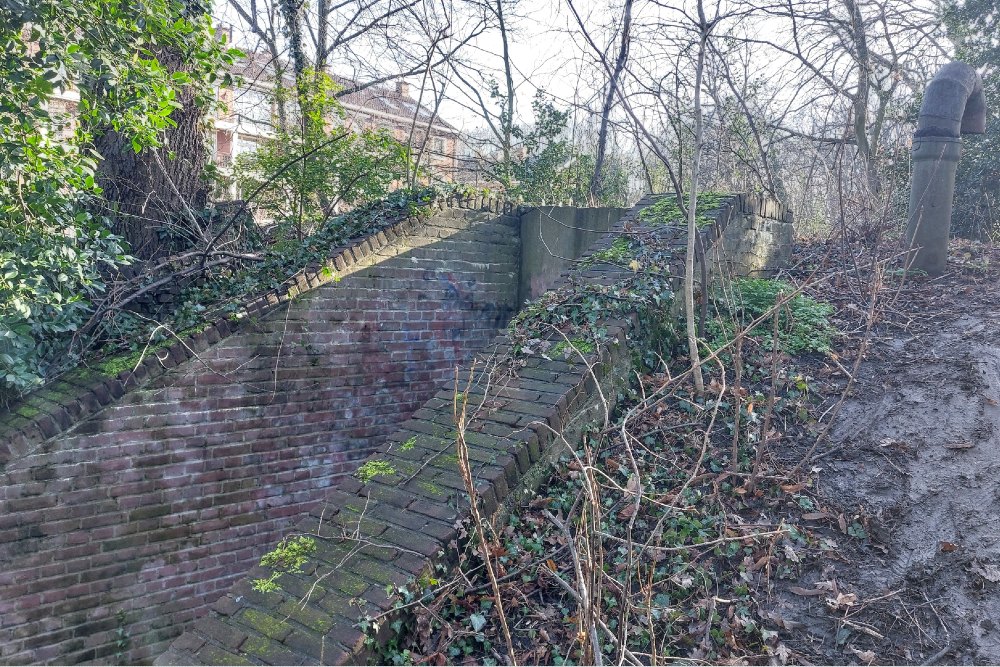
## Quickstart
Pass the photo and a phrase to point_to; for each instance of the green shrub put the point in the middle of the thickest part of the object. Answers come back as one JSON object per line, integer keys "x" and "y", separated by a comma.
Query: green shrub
{"x": 803, "y": 324}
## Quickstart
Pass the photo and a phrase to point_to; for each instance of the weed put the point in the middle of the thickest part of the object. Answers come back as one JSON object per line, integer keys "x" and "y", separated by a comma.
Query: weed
{"x": 289, "y": 556}
{"x": 803, "y": 323}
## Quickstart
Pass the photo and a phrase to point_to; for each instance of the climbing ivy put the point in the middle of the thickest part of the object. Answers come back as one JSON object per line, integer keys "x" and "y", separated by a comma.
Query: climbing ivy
{"x": 574, "y": 311}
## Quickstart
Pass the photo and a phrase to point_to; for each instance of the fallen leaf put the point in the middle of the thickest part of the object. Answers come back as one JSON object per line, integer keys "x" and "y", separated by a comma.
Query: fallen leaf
{"x": 987, "y": 571}
{"x": 806, "y": 591}
{"x": 551, "y": 564}
{"x": 780, "y": 620}
{"x": 948, "y": 547}
{"x": 842, "y": 522}
{"x": 632, "y": 488}
{"x": 627, "y": 512}
{"x": 792, "y": 488}
{"x": 868, "y": 657}
{"x": 829, "y": 585}
{"x": 784, "y": 653}
{"x": 842, "y": 601}
{"x": 790, "y": 554}
{"x": 815, "y": 516}
{"x": 991, "y": 401}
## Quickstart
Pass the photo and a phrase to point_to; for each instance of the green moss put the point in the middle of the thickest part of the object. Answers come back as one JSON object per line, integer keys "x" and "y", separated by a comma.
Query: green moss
{"x": 374, "y": 468}
{"x": 409, "y": 444}
{"x": 28, "y": 412}
{"x": 565, "y": 349}
{"x": 127, "y": 362}
{"x": 665, "y": 211}
{"x": 431, "y": 487}
{"x": 264, "y": 623}
{"x": 622, "y": 251}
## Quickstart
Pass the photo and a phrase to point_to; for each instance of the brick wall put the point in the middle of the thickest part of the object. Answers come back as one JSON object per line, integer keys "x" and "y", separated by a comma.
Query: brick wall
{"x": 127, "y": 525}
{"x": 397, "y": 527}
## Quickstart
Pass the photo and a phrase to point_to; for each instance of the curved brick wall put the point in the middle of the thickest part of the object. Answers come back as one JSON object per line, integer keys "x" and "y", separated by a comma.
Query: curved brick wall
{"x": 124, "y": 513}
{"x": 396, "y": 527}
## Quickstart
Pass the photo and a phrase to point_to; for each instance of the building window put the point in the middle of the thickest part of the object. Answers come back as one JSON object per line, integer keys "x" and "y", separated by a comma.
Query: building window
{"x": 253, "y": 106}
{"x": 437, "y": 146}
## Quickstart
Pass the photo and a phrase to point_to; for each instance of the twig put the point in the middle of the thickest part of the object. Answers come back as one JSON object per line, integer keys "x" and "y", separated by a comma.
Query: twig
{"x": 470, "y": 486}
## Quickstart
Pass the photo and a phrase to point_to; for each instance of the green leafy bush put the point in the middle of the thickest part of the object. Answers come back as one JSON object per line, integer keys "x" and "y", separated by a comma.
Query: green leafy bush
{"x": 54, "y": 254}
{"x": 334, "y": 167}
{"x": 803, "y": 324}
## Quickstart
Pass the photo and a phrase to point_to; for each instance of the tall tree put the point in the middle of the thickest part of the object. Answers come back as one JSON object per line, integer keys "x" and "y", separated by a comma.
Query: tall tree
{"x": 152, "y": 194}
{"x": 53, "y": 250}
{"x": 596, "y": 180}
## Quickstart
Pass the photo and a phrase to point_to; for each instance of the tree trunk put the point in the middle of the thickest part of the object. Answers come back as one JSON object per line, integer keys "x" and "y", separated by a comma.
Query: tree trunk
{"x": 597, "y": 181}
{"x": 156, "y": 191}
{"x": 692, "y": 211}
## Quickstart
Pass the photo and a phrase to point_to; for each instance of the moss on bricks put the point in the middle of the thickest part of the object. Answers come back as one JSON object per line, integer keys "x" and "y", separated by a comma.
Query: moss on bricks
{"x": 308, "y": 617}
{"x": 265, "y": 624}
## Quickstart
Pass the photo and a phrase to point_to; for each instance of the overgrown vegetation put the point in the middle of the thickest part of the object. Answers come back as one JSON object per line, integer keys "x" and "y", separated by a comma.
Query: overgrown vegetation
{"x": 572, "y": 312}
{"x": 289, "y": 556}
{"x": 665, "y": 210}
{"x": 55, "y": 253}
{"x": 336, "y": 168}
{"x": 803, "y": 323}
{"x": 649, "y": 544}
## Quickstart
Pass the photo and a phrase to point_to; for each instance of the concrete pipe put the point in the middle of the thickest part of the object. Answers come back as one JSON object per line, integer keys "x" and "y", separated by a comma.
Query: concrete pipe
{"x": 954, "y": 104}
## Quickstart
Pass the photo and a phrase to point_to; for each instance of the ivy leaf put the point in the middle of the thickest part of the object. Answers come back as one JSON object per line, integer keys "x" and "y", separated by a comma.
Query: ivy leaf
{"x": 477, "y": 621}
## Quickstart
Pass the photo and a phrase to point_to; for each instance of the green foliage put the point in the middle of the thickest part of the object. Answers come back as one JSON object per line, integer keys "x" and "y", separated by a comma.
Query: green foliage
{"x": 665, "y": 210}
{"x": 574, "y": 310}
{"x": 621, "y": 252}
{"x": 224, "y": 293}
{"x": 972, "y": 26}
{"x": 572, "y": 348}
{"x": 288, "y": 557}
{"x": 53, "y": 253}
{"x": 547, "y": 168}
{"x": 336, "y": 167}
{"x": 803, "y": 324}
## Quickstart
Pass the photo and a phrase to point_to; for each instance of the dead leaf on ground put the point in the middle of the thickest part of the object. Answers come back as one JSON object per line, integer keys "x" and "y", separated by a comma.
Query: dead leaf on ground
{"x": 987, "y": 571}
{"x": 792, "y": 488}
{"x": 780, "y": 620}
{"x": 867, "y": 657}
{"x": 842, "y": 601}
{"x": 633, "y": 486}
{"x": 815, "y": 516}
{"x": 806, "y": 591}
{"x": 828, "y": 585}
{"x": 948, "y": 547}
{"x": 842, "y": 522}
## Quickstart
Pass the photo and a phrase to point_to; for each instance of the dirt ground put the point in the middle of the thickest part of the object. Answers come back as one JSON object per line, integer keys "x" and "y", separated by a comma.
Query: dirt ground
{"x": 914, "y": 461}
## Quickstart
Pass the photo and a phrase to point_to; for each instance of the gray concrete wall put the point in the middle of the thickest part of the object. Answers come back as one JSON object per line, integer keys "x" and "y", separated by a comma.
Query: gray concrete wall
{"x": 553, "y": 236}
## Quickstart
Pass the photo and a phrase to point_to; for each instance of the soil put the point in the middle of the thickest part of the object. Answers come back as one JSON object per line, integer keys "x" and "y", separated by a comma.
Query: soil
{"x": 910, "y": 481}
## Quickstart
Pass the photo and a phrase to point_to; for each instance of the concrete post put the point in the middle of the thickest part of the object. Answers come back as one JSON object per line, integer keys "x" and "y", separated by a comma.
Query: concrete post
{"x": 954, "y": 104}
{"x": 935, "y": 162}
